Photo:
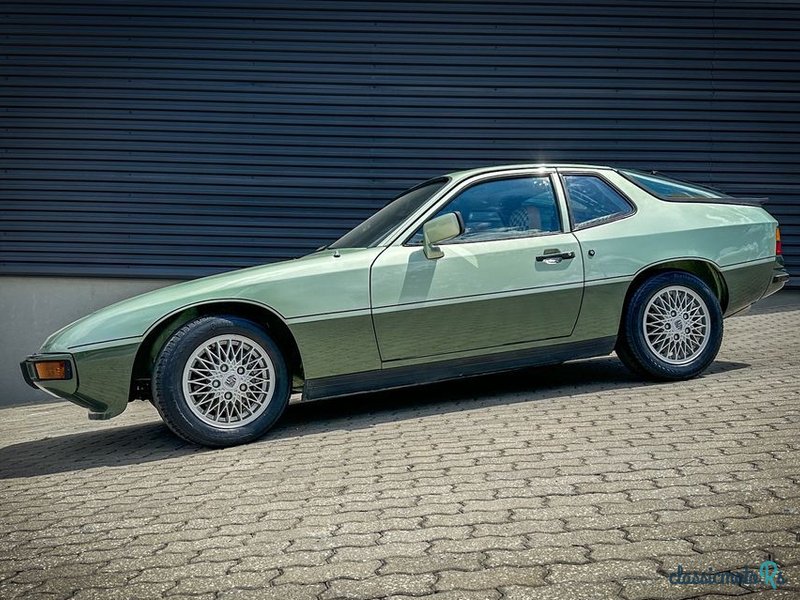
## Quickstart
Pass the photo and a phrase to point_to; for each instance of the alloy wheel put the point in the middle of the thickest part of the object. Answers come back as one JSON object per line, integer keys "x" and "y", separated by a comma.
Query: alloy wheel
{"x": 227, "y": 381}
{"x": 676, "y": 325}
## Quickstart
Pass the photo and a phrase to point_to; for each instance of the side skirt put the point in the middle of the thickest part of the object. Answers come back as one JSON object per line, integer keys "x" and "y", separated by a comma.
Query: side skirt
{"x": 397, "y": 377}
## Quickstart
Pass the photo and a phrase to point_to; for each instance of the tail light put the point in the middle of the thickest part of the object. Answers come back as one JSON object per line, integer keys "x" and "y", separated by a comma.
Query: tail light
{"x": 778, "y": 247}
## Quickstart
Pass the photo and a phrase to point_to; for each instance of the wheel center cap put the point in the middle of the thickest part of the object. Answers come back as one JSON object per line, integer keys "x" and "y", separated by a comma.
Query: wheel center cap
{"x": 678, "y": 324}
{"x": 230, "y": 380}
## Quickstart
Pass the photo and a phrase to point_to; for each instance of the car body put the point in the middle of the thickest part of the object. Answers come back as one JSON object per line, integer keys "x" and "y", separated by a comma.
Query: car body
{"x": 537, "y": 275}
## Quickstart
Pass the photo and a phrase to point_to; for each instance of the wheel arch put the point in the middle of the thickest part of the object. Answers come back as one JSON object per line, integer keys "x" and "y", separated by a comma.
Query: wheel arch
{"x": 706, "y": 270}
{"x": 159, "y": 333}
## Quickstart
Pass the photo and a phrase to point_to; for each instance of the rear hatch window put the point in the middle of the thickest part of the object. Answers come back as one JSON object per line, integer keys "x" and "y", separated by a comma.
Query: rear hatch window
{"x": 668, "y": 188}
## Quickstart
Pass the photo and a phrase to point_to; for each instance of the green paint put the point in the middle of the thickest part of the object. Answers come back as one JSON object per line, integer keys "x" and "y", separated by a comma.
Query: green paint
{"x": 334, "y": 346}
{"x": 355, "y": 310}
{"x": 477, "y": 295}
{"x": 103, "y": 379}
{"x": 745, "y": 282}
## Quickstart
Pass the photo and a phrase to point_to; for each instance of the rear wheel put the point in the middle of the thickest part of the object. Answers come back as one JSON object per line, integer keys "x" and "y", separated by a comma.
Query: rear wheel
{"x": 220, "y": 381}
{"x": 672, "y": 327}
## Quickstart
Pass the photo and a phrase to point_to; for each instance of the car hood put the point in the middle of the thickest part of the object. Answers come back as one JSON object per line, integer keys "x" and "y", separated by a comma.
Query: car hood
{"x": 323, "y": 282}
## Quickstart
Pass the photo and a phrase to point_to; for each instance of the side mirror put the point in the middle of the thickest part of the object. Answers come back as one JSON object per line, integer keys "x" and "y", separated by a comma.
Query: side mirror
{"x": 438, "y": 230}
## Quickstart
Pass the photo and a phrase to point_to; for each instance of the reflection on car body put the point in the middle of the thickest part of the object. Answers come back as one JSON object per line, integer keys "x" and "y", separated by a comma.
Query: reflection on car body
{"x": 475, "y": 272}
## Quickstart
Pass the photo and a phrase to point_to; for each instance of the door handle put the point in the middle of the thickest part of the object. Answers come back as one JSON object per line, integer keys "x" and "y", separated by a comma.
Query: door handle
{"x": 553, "y": 257}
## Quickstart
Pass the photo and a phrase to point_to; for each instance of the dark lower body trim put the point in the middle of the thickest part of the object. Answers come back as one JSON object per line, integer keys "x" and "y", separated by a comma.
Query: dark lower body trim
{"x": 396, "y": 377}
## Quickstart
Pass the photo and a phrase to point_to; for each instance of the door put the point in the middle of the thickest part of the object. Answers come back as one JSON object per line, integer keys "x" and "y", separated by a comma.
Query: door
{"x": 513, "y": 276}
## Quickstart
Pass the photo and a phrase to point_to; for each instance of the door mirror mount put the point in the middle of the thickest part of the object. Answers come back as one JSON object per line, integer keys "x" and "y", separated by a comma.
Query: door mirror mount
{"x": 440, "y": 229}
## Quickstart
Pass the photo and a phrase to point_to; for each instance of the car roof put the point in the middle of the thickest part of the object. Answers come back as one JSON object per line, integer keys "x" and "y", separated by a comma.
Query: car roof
{"x": 501, "y": 168}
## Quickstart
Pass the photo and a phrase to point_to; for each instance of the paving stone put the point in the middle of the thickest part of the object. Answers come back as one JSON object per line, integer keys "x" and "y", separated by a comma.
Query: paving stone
{"x": 185, "y": 571}
{"x": 457, "y": 595}
{"x": 708, "y": 513}
{"x": 661, "y": 588}
{"x": 718, "y": 560}
{"x": 640, "y": 550}
{"x": 562, "y": 591}
{"x": 673, "y": 531}
{"x": 616, "y": 521}
{"x": 130, "y": 590}
{"x": 602, "y": 571}
{"x": 593, "y": 499}
{"x": 434, "y": 563}
{"x": 537, "y": 556}
{"x": 282, "y": 561}
{"x": 214, "y": 584}
{"x": 575, "y": 481}
{"x": 425, "y": 534}
{"x": 764, "y": 523}
{"x": 328, "y": 572}
{"x": 745, "y": 541}
{"x": 380, "y": 551}
{"x": 280, "y": 592}
{"x": 491, "y": 578}
{"x": 580, "y": 537}
{"x": 516, "y": 528}
{"x": 334, "y": 541}
{"x": 478, "y": 544}
{"x": 379, "y": 587}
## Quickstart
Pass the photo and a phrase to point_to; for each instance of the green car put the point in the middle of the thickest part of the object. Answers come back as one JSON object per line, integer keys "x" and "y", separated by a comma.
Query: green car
{"x": 474, "y": 272}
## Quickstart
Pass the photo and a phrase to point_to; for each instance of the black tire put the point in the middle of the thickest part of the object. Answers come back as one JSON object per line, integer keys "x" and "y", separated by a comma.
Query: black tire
{"x": 632, "y": 345}
{"x": 168, "y": 390}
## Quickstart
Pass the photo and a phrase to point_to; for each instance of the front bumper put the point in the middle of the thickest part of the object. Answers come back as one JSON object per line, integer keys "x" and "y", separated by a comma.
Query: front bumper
{"x": 99, "y": 376}
{"x": 56, "y": 387}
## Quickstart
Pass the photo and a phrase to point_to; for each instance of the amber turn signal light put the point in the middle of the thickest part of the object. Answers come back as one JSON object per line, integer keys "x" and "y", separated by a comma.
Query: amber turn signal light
{"x": 52, "y": 369}
{"x": 778, "y": 245}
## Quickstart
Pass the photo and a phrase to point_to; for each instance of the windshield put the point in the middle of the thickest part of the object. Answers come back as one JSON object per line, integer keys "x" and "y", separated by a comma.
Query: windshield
{"x": 666, "y": 187}
{"x": 374, "y": 229}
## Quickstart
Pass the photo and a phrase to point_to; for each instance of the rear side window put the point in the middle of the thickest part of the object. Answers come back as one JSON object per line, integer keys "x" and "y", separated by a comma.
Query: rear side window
{"x": 666, "y": 187}
{"x": 592, "y": 201}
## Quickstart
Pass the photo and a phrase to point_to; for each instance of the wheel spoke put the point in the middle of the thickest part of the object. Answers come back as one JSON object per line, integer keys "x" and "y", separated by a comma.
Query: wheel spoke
{"x": 227, "y": 381}
{"x": 675, "y": 324}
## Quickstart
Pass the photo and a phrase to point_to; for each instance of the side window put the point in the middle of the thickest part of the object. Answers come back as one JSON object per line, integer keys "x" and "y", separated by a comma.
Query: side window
{"x": 502, "y": 209}
{"x": 592, "y": 201}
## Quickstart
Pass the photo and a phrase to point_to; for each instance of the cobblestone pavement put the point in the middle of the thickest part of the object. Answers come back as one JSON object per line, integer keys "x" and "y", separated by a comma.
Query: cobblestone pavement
{"x": 578, "y": 481}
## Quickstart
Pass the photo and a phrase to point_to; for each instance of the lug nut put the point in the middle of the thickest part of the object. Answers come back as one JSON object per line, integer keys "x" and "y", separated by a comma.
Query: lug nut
{"x": 228, "y": 395}
{"x": 243, "y": 388}
{"x": 240, "y": 370}
{"x": 215, "y": 384}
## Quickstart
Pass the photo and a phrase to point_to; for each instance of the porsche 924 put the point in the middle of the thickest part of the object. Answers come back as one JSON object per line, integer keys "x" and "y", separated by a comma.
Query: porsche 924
{"x": 474, "y": 272}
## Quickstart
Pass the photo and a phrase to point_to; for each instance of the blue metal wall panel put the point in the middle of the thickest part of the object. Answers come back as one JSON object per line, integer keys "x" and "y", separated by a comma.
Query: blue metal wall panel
{"x": 177, "y": 139}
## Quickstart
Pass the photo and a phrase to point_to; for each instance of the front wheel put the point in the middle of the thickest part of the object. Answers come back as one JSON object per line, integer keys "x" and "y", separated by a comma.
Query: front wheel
{"x": 220, "y": 381}
{"x": 672, "y": 327}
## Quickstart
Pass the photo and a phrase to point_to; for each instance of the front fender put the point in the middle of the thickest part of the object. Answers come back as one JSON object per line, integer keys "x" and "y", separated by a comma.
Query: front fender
{"x": 303, "y": 293}
{"x": 319, "y": 284}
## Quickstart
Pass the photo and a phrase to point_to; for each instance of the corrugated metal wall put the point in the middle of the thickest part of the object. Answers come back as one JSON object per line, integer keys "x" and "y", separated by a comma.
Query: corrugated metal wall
{"x": 176, "y": 139}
